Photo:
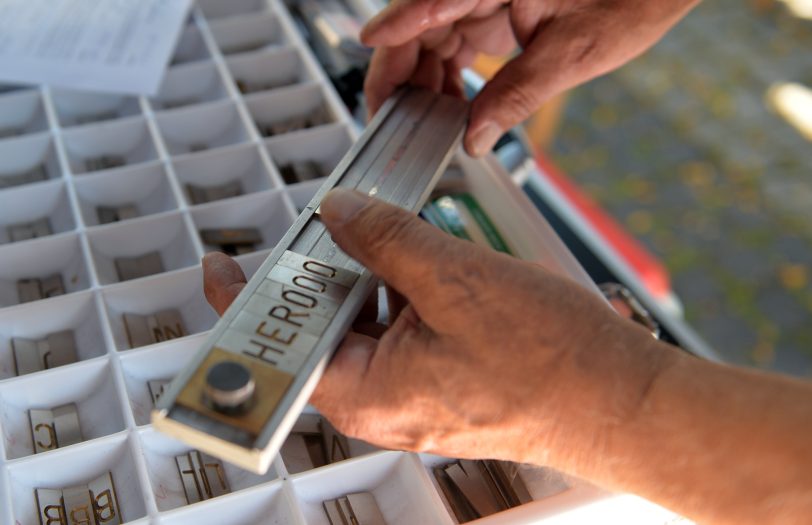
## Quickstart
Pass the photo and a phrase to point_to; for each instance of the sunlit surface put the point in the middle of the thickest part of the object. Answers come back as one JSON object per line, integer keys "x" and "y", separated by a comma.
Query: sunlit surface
{"x": 794, "y": 103}
{"x": 799, "y": 8}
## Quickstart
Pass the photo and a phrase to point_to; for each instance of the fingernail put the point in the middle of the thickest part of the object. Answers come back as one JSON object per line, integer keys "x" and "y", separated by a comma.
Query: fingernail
{"x": 340, "y": 204}
{"x": 484, "y": 138}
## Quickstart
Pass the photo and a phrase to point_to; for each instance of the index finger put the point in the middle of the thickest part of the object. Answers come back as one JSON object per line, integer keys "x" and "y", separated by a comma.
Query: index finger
{"x": 389, "y": 68}
{"x": 405, "y": 20}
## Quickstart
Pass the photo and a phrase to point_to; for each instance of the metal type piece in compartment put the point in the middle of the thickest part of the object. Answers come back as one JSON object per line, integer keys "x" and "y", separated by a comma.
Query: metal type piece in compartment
{"x": 92, "y": 503}
{"x": 55, "y": 349}
{"x": 359, "y": 508}
{"x": 397, "y": 159}
{"x": 202, "y": 476}
{"x": 55, "y": 427}
{"x": 313, "y": 442}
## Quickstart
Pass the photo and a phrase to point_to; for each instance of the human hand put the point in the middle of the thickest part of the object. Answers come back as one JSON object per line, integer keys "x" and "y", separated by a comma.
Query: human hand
{"x": 564, "y": 43}
{"x": 489, "y": 356}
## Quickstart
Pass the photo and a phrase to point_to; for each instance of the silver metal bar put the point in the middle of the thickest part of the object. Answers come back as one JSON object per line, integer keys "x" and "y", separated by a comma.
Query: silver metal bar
{"x": 283, "y": 327}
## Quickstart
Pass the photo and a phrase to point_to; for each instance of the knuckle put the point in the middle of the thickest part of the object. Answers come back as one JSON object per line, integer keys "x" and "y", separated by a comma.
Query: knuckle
{"x": 520, "y": 96}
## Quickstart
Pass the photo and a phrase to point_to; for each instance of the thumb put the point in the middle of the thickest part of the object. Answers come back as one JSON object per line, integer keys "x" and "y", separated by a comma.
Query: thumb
{"x": 393, "y": 243}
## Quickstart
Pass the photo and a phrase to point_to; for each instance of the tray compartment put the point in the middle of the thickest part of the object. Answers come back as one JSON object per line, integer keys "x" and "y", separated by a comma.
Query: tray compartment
{"x": 265, "y": 505}
{"x": 147, "y": 188}
{"x": 181, "y": 290}
{"x": 395, "y": 480}
{"x": 160, "y": 452}
{"x": 323, "y": 146}
{"x": 76, "y": 108}
{"x": 76, "y": 312}
{"x": 89, "y": 385}
{"x": 237, "y": 164}
{"x": 165, "y": 234}
{"x": 109, "y": 145}
{"x": 26, "y": 204}
{"x": 264, "y": 212}
{"x": 266, "y": 70}
{"x": 289, "y": 110}
{"x": 28, "y": 160}
{"x": 42, "y": 258}
{"x": 158, "y": 362}
{"x": 203, "y": 127}
{"x": 188, "y": 85}
{"x": 21, "y": 113}
{"x": 247, "y": 34}
{"x": 77, "y": 465}
{"x": 219, "y": 9}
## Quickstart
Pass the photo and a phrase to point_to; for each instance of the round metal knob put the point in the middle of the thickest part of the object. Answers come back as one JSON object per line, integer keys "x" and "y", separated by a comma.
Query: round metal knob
{"x": 229, "y": 386}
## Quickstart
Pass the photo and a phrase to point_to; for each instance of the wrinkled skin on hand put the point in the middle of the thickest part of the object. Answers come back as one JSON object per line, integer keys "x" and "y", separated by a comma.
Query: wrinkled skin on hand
{"x": 486, "y": 356}
{"x": 563, "y": 43}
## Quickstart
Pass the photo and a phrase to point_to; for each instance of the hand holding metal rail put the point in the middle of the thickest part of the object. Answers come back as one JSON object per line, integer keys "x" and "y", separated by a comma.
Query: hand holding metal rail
{"x": 240, "y": 396}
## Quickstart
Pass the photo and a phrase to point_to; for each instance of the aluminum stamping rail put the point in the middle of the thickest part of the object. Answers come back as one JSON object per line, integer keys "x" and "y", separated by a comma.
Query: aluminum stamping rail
{"x": 240, "y": 395}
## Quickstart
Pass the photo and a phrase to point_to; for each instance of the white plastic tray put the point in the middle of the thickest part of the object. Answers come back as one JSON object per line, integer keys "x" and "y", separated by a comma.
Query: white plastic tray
{"x": 200, "y": 129}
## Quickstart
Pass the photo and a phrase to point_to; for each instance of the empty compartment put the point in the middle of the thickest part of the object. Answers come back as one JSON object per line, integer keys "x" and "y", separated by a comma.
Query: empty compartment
{"x": 26, "y": 160}
{"x": 264, "y": 212}
{"x": 158, "y": 363}
{"x": 395, "y": 479}
{"x": 289, "y": 110}
{"x": 166, "y": 235}
{"x": 243, "y": 34}
{"x": 322, "y": 147}
{"x": 191, "y": 47}
{"x": 298, "y": 452}
{"x": 75, "y": 467}
{"x": 240, "y": 167}
{"x": 202, "y": 127}
{"x": 21, "y": 113}
{"x": 109, "y": 145}
{"x": 77, "y": 313}
{"x": 264, "y": 505}
{"x": 42, "y": 259}
{"x": 143, "y": 190}
{"x": 180, "y": 291}
{"x": 188, "y": 85}
{"x": 34, "y": 211}
{"x": 160, "y": 452}
{"x": 89, "y": 386}
{"x": 219, "y": 9}
{"x": 74, "y": 108}
{"x": 267, "y": 70}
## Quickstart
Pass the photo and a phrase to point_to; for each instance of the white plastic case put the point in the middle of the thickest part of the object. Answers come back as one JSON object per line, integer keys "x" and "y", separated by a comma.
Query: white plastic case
{"x": 201, "y": 130}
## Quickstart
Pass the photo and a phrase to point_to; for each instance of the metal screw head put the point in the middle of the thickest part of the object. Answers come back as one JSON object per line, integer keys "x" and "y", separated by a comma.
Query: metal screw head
{"x": 229, "y": 386}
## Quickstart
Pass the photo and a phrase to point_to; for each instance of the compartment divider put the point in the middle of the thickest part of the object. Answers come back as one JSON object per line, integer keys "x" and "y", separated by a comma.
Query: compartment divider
{"x": 177, "y": 190}
{"x": 294, "y": 504}
{"x": 134, "y": 442}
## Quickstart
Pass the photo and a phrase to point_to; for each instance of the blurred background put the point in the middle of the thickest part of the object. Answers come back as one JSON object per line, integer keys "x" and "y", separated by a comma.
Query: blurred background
{"x": 700, "y": 148}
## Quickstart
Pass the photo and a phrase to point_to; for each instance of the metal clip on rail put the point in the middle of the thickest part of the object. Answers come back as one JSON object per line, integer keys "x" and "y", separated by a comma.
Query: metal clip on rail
{"x": 241, "y": 394}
